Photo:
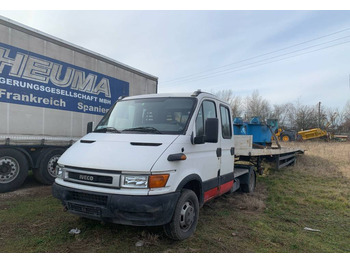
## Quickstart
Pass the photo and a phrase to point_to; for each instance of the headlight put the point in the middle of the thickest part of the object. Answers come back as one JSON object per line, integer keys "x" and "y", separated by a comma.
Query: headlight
{"x": 59, "y": 172}
{"x": 132, "y": 181}
{"x": 144, "y": 181}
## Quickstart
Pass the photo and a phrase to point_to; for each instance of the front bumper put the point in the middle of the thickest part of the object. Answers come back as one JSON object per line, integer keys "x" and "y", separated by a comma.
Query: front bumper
{"x": 120, "y": 209}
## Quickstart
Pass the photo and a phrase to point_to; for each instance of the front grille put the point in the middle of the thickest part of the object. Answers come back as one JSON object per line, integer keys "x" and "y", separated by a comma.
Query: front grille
{"x": 91, "y": 178}
{"x": 94, "y": 211}
{"x": 90, "y": 198}
{"x": 99, "y": 178}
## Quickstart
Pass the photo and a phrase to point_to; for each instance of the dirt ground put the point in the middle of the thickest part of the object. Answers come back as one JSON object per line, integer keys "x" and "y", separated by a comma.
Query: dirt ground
{"x": 269, "y": 220}
{"x": 30, "y": 187}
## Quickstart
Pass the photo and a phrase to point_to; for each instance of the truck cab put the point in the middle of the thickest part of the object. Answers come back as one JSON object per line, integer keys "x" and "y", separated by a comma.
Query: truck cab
{"x": 152, "y": 160}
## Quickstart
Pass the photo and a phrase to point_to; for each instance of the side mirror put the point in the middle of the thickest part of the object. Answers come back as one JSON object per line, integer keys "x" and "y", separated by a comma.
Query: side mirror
{"x": 89, "y": 127}
{"x": 211, "y": 130}
{"x": 199, "y": 140}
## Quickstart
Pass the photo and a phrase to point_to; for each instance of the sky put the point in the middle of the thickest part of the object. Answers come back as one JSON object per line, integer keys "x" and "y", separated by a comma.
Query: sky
{"x": 288, "y": 56}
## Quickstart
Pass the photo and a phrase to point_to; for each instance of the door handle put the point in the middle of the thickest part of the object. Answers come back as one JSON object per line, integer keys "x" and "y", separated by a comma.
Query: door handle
{"x": 218, "y": 152}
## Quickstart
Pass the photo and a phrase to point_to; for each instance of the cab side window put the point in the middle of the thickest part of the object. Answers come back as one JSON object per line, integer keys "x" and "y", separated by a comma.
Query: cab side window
{"x": 225, "y": 122}
{"x": 207, "y": 110}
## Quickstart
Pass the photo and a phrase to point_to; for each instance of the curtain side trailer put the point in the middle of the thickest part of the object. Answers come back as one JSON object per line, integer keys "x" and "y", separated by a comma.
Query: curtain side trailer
{"x": 49, "y": 90}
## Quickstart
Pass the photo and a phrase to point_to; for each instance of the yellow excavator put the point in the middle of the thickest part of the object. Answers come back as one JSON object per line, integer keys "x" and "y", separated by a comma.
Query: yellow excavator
{"x": 317, "y": 132}
{"x": 285, "y": 135}
{"x": 314, "y": 133}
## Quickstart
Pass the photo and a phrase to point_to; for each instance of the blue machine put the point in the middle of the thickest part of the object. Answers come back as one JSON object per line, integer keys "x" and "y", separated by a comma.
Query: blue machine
{"x": 261, "y": 132}
{"x": 238, "y": 126}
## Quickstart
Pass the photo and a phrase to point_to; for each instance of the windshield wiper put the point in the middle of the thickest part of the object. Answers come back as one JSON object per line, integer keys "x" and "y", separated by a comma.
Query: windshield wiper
{"x": 107, "y": 129}
{"x": 144, "y": 129}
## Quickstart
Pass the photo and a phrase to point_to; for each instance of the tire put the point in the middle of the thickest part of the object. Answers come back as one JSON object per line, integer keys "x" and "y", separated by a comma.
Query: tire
{"x": 285, "y": 138}
{"x": 45, "y": 174}
{"x": 185, "y": 218}
{"x": 13, "y": 169}
{"x": 250, "y": 187}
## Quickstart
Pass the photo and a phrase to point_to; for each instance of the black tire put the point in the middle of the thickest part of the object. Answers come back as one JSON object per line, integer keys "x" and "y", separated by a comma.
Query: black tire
{"x": 250, "y": 187}
{"x": 13, "y": 169}
{"x": 45, "y": 174}
{"x": 185, "y": 218}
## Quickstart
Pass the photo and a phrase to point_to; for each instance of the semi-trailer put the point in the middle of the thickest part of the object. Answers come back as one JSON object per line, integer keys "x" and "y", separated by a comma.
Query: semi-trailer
{"x": 49, "y": 90}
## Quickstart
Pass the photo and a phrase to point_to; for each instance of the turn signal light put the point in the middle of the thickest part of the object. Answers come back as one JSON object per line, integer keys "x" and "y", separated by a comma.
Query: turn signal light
{"x": 177, "y": 157}
{"x": 156, "y": 181}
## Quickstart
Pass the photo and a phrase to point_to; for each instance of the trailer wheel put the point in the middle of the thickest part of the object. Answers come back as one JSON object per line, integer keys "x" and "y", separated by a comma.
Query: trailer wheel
{"x": 45, "y": 174}
{"x": 185, "y": 218}
{"x": 249, "y": 188}
{"x": 13, "y": 169}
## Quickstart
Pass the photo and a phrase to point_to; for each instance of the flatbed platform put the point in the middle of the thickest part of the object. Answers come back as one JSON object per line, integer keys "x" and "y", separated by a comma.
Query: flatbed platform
{"x": 283, "y": 156}
{"x": 266, "y": 151}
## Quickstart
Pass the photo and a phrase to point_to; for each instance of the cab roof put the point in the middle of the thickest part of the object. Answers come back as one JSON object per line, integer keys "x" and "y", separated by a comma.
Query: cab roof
{"x": 197, "y": 94}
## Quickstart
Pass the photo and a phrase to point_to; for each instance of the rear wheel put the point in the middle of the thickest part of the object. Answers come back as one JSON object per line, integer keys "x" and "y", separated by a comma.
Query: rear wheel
{"x": 250, "y": 187}
{"x": 13, "y": 169}
{"x": 185, "y": 218}
{"x": 45, "y": 174}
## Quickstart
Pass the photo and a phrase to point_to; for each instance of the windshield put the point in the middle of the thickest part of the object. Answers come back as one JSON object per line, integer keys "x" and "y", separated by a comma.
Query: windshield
{"x": 149, "y": 115}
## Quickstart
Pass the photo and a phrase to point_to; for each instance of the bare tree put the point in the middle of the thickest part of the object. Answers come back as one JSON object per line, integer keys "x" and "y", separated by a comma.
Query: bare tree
{"x": 345, "y": 117}
{"x": 256, "y": 105}
{"x": 306, "y": 118}
{"x": 234, "y": 101}
{"x": 295, "y": 116}
{"x": 332, "y": 118}
{"x": 282, "y": 114}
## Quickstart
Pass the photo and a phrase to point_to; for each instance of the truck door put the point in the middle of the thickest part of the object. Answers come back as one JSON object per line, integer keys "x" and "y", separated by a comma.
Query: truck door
{"x": 227, "y": 150}
{"x": 206, "y": 154}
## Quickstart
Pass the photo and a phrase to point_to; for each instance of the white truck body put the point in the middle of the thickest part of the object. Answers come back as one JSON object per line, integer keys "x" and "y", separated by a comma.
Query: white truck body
{"x": 187, "y": 142}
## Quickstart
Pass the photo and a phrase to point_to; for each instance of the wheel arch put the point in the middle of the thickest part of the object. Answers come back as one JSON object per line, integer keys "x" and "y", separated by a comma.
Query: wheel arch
{"x": 194, "y": 183}
{"x": 24, "y": 152}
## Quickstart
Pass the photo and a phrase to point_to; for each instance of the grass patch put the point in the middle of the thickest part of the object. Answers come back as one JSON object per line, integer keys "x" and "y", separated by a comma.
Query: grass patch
{"x": 314, "y": 193}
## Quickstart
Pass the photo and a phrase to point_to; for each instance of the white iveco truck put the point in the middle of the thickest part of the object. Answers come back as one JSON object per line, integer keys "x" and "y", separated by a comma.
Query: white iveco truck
{"x": 49, "y": 90}
{"x": 153, "y": 160}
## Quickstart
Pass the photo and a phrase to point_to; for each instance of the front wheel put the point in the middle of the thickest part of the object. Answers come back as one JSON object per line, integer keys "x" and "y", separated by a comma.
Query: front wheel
{"x": 185, "y": 218}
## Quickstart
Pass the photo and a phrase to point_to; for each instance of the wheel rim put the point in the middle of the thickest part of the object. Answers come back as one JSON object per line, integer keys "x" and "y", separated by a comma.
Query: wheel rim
{"x": 285, "y": 138}
{"x": 187, "y": 216}
{"x": 51, "y": 165}
{"x": 9, "y": 169}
